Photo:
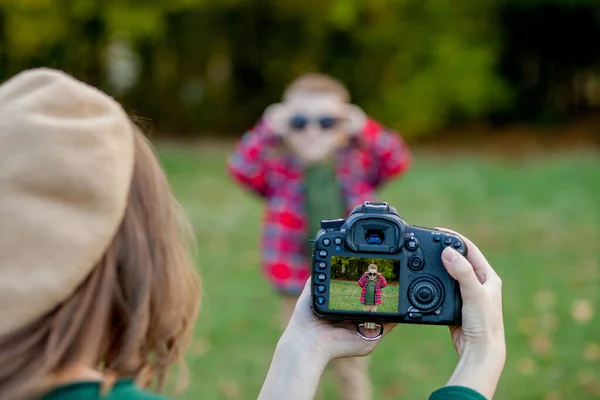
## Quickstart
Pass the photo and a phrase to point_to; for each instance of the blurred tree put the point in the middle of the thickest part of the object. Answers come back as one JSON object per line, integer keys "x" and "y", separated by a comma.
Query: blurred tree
{"x": 352, "y": 268}
{"x": 550, "y": 59}
{"x": 213, "y": 66}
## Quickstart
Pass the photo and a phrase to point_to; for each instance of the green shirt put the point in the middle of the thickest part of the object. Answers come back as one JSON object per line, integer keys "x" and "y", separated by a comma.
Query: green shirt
{"x": 324, "y": 197}
{"x": 456, "y": 393}
{"x": 370, "y": 295}
{"x": 124, "y": 389}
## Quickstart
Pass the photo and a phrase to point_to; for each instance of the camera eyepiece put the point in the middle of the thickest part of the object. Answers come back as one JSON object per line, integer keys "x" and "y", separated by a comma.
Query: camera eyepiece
{"x": 374, "y": 227}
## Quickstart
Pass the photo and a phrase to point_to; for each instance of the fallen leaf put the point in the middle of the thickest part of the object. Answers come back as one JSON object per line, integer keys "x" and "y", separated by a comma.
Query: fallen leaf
{"x": 527, "y": 325}
{"x": 230, "y": 389}
{"x": 548, "y": 322}
{"x": 544, "y": 299}
{"x": 541, "y": 345}
{"x": 394, "y": 390}
{"x": 588, "y": 381}
{"x": 582, "y": 311}
{"x": 586, "y": 377}
{"x": 554, "y": 396}
{"x": 526, "y": 366}
{"x": 590, "y": 267}
{"x": 591, "y": 352}
{"x": 200, "y": 346}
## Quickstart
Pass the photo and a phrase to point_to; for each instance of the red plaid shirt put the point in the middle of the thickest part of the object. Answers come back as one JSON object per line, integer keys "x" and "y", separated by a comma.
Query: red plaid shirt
{"x": 278, "y": 178}
{"x": 380, "y": 283}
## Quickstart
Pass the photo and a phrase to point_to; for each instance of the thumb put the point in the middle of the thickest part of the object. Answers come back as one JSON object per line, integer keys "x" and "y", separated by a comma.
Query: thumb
{"x": 460, "y": 269}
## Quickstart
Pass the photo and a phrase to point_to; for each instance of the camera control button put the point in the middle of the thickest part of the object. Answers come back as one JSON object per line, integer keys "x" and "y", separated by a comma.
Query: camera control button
{"x": 323, "y": 253}
{"x": 322, "y": 265}
{"x": 416, "y": 263}
{"x": 326, "y": 242}
{"x": 437, "y": 238}
{"x": 457, "y": 244}
{"x": 321, "y": 277}
{"x": 415, "y": 316}
{"x": 337, "y": 241}
{"x": 425, "y": 294}
{"x": 448, "y": 241}
{"x": 320, "y": 300}
{"x": 412, "y": 244}
{"x": 321, "y": 289}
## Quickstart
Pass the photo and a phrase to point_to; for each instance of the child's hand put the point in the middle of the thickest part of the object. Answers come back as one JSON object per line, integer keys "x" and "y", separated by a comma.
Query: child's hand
{"x": 356, "y": 120}
{"x": 277, "y": 117}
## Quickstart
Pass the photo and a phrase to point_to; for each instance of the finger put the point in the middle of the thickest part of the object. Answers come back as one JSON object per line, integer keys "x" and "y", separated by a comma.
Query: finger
{"x": 460, "y": 269}
{"x": 305, "y": 297}
{"x": 480, "y": 264}
{"x": 351, "y": 326}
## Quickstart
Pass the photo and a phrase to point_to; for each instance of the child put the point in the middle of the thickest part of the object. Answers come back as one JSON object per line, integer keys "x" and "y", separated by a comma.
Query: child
{"x": 371, "y": 283}
{"x": 312, "y": 157}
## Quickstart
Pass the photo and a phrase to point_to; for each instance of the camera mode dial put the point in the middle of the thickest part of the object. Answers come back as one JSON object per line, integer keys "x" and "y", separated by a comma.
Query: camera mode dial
{"x": 425, "y": 293}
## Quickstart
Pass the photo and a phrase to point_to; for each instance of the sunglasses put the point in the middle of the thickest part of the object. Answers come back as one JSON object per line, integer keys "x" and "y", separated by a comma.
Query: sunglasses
{"x": 372, "y": 273}
{"x": 299, "y": 122}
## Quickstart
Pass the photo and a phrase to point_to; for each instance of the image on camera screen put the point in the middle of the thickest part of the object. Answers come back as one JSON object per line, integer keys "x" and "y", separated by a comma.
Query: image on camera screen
{"x": 364, "y": 284}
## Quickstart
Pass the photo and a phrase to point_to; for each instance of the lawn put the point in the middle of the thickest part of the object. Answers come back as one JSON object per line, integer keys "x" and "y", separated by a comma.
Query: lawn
{"x": 345, "y": 295}
{"x": 537, "y": 221}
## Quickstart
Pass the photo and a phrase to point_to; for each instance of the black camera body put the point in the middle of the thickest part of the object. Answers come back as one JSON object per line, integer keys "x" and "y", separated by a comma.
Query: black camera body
{"x": 374, "y": 267}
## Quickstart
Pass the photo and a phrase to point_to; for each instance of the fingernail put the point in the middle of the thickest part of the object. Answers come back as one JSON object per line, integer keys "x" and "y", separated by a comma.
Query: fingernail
{"x": 448, "y": 254}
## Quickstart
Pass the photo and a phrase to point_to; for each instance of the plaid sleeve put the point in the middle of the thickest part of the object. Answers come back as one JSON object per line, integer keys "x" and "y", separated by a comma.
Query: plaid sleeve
{"x": 383, "y": 281}
{"x": 362, "y": 280}
{"x": 390, "y": 152}
{"x": 247, "y": 164}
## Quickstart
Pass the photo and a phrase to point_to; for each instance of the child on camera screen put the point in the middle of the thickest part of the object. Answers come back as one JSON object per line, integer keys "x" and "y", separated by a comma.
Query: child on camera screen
{"x": 371, "y": 283}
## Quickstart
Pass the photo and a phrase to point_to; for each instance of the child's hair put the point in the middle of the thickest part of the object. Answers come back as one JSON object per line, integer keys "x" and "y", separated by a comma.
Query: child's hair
{"x": 373, "y": 266}
{"x": 317, "y": 83}
{"x": 134, "y": 314}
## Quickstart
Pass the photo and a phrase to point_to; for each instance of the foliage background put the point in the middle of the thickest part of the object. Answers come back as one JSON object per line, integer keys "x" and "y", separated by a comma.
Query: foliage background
{"x": 352, "y": 268}
{"x": 209, "y": 68}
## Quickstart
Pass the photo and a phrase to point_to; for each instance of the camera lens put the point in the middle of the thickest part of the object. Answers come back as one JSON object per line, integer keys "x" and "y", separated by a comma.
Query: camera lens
{"x": 374, "y": 236}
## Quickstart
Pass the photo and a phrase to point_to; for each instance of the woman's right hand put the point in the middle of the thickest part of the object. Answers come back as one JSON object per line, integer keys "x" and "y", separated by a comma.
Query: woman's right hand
{"x": 480, "y": 341}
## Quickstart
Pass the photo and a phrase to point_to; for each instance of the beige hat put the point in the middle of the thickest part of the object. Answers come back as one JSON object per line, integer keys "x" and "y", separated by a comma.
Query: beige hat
{"x": 66, "y": 160}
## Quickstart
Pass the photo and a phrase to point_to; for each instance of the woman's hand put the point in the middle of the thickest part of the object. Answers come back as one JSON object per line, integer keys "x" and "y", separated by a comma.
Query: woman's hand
{"x": 305, "y": 348}
{"x": 479, "y": 342}
{"x": 332, "y": 339}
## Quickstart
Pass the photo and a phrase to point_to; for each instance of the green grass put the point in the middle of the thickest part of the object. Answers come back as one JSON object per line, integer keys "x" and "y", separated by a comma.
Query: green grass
{"x": 537, "y": 221}
{"x": 345, "y": 295}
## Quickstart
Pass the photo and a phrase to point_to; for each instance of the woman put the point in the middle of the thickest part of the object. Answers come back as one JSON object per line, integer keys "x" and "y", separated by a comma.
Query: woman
{"x": 98, "y": 294}
{"x": 96, "y": 283}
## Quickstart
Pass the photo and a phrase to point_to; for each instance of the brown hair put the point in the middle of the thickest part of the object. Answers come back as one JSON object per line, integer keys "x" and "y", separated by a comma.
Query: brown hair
{"x": 317, "y": 83}
{"x": 373, "y": 266}
{"x": 134, "y": 314}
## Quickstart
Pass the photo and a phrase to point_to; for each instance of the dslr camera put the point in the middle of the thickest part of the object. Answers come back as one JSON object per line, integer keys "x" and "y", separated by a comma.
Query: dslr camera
{"x": 374, "y": 267}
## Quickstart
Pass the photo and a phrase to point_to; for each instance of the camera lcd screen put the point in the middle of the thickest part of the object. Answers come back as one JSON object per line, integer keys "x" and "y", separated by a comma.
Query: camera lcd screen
{"x": 364, "y": 284}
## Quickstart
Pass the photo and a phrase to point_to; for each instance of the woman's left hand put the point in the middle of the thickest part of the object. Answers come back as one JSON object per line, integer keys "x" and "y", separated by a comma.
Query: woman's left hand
{"x": 305, "y": 348}
{"x": 333, "y": 339}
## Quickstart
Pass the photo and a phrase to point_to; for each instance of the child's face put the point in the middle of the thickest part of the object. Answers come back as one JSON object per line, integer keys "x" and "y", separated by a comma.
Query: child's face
{"x": 372, "y": 274}
{"x": 317, "y": 125}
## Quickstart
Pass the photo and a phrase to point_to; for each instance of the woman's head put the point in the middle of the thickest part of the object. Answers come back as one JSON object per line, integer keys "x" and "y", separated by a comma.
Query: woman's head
{"x": 94, "y": 263}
